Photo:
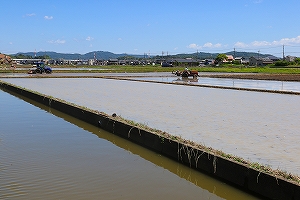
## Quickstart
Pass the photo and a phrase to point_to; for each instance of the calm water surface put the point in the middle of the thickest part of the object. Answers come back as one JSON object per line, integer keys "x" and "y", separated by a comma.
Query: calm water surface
{"x": 48, "y": 155}
{"x": 260, "y": 127}
{"x": 235, "y": 83}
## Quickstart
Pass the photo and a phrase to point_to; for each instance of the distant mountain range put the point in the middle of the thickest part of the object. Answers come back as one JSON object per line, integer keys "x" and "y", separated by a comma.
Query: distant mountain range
{"x": 109, "y": 55}
{"x": 72, "y": 56}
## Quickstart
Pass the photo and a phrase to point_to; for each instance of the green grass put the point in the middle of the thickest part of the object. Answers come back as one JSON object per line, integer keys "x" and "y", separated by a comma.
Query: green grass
{"x": 158, "y": 68}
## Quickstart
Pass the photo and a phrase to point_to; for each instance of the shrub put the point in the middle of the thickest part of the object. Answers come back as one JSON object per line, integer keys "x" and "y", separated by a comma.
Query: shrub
{"x": 281, "y": 63}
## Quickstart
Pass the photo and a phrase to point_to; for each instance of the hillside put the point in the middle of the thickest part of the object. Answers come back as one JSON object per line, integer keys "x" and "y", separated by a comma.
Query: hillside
{"x": 73, "y": 56}
{"x": 105, "y": 55}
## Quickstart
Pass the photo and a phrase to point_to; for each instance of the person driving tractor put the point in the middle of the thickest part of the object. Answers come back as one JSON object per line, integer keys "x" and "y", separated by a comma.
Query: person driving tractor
{"x": 187, "y": 70}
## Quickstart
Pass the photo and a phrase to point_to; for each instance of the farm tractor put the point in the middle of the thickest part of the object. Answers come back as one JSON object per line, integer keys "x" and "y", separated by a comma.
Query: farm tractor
{"x": 40, "y": 68}
{"x": 186, "y": 73}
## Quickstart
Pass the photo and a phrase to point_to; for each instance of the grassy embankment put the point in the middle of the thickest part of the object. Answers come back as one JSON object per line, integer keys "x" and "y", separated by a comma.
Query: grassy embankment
{"x": 156, "y": 68}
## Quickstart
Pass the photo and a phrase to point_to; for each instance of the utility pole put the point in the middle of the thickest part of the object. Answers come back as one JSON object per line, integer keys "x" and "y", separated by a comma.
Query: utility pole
{"x": 234, "y": 53}
{"x": 283, "y": 52}
{"x": 257, "y": 58}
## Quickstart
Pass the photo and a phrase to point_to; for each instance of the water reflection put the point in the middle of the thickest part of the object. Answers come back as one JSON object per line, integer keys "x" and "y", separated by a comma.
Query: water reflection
{"x": 54, "y": 162}
{"x": 186, "y": 80}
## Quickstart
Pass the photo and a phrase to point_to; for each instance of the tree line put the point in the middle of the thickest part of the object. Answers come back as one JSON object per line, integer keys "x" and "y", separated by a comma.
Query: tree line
{"x": 287, "y": 63}
{"x": 22, "y": 56}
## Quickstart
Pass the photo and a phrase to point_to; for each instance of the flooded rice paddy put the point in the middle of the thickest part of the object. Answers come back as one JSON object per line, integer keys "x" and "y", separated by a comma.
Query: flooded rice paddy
{"x": 167, "y": 77}
{"x": 257, "y": 126}
{"x": 46, "y": 154}
{"x": 290, "y": 86}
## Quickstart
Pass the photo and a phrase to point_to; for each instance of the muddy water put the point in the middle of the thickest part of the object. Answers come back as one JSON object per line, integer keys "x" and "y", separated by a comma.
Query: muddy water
{"x": 260, "y": 127}
{"x": 46, "y": 154}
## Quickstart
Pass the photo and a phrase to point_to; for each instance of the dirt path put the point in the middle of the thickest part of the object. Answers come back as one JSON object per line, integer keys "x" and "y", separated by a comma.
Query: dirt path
{"x": 277, "y": 77}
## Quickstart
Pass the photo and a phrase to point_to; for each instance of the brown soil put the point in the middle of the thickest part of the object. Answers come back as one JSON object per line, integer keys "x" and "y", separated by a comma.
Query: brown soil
{"x": 277, "y": 77}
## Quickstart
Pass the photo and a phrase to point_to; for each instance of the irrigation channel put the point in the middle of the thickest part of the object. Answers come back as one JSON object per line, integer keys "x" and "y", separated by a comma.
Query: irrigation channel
{"x": 46, "y": 154}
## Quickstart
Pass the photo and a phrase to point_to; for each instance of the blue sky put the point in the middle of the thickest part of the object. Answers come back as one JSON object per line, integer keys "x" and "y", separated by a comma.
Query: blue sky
{"x": 152, "y": 27}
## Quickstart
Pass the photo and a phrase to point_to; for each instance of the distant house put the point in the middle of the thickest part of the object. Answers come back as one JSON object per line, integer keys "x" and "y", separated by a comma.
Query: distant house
{"x": 230, "y": 58}
{"x": 209, "y": 61}
{"x": 273, "y": 58}
{"x": 187, "y": 61}
{"x": 290, "y": 58}
{"x": 91, "y": 61}
{"x": 242, "y": 60}
{"x": 122, "y": 62}
{"x": 239, "y": 59}
{"x": 112, "y": 62}
{"x": 245, "y": 61}
{"x": 260, "y": 61}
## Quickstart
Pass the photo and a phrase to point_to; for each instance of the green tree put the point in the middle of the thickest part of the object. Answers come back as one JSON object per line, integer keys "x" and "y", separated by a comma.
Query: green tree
{"x": 281, "y": 63}
{"x": 220, "y": 58}
{"x": 21, "y": 56}
{"x": 297, "y": 60}
{"x": 43, "y": 57}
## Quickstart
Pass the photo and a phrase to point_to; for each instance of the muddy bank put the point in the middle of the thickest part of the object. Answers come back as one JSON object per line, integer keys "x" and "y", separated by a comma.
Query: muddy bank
{"x": 254, "y": 76}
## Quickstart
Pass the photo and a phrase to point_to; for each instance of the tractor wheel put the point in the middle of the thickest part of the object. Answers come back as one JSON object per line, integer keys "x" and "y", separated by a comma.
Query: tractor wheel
{"x": 38, "y": 71}
{"x": 48, "y": 71}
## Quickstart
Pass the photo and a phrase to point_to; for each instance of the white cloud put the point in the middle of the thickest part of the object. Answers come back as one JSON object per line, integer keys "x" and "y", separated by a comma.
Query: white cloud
{"x": 119, "y": 39}
{"x": 194, "y": 46}
{"x": 240, "y": 45}
{"x": 283, "y": 41}
{"x": 260, "y": 43}
{"x": 57, "y": 41}
{"x": 89, "y": 38}
{"x": 48, "y": 17}
{"x": 288, "y": 41}
{"x": 206, "y": 45}
{"x": 251, "y": 45}
{"x": 30, "y": 15}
